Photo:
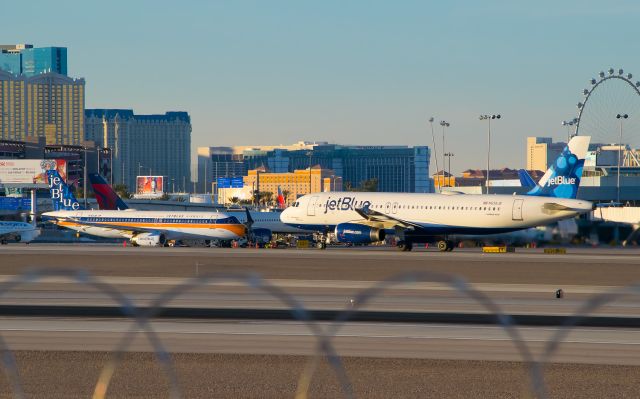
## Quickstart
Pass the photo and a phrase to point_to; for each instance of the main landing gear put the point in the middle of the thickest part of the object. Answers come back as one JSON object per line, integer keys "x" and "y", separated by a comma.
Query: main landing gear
{"x": 404, "y": 246}
{"x": 445, "y": 246}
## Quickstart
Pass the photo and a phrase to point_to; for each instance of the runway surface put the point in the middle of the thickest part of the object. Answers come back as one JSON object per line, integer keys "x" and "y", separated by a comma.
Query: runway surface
{"x": 524, "y": 282}
{"x": 411, "y": 359}
{"x": 380, "y": 340}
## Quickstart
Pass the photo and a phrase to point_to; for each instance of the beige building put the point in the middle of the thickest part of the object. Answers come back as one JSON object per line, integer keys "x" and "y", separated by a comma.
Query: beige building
{"x": 541, "y": 151}
{"x": 294, "y": 184}
{"x": 144, "y": 145}
{"x": 46, "y": 105}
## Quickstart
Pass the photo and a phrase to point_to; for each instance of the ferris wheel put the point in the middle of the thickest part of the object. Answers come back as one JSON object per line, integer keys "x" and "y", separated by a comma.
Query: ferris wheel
{"x": 610, "y": 110}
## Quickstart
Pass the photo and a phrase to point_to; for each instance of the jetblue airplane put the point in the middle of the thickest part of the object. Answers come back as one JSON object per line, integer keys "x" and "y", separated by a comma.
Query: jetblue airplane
{"x": 142, "y": 228}
{"x": 418, "y": 218}
{"x": 262, "y": 225}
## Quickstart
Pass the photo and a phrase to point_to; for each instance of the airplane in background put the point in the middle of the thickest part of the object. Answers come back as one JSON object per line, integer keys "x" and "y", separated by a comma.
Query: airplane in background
{"x": 18, "y": 232}
{"x": 260, "y": 225}
{"x": 419, "y": 218}
{"x": 142, "y": 228}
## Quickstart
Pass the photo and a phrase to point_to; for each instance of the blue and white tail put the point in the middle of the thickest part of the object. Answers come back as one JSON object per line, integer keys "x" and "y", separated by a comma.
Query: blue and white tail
{"x": 61, "y": 195}
{"x": 563, "y": 176}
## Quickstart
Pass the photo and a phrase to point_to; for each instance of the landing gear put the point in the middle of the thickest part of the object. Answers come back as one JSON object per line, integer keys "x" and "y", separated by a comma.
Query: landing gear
{"x": 321, "y": 244}
{"x": 404, "y": 246}
{"x": 445, "y": 246}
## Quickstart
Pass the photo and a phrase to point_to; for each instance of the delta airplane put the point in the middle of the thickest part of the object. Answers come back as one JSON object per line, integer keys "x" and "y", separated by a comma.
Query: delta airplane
{"x": 419, "y": 218}
{"x": 260, "y": 225}
{"x": 142, "y": 228}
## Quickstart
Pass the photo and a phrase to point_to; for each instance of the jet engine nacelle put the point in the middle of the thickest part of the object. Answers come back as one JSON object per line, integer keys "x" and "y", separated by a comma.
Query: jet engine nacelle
{"x": 148, "y": 240}
{"x": 358, "y": 234}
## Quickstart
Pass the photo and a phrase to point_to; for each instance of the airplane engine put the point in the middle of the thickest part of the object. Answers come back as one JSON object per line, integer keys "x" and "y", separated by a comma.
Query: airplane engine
{"x": 358, "y": 234}
{"x": 148, "y": 240}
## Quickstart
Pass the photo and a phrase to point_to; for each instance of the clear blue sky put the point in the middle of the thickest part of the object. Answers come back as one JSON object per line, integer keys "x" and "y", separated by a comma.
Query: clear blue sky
{"x": 351, "y": 72}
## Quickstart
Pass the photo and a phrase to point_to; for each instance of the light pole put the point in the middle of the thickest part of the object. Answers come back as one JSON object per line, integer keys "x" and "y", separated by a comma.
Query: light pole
{"x": 84, "y": 178}
{"x": 621, "y": 118}
{"x": 435, "y": 154}
{"x": 488, "y": 118}
{"x": 449, "y": 155}
{"x": 111, "y": 166}
{"x": 568, "y": 124}
{"x": 309, "y": 154}
{"x": 443, "y": 124}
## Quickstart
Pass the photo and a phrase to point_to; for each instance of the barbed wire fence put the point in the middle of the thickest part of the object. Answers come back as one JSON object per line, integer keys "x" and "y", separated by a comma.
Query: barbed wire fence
{"x": 324, "y": 348}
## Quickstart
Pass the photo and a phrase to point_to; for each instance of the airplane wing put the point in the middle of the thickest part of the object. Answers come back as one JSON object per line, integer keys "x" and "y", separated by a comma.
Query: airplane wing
{"x": 125, "y": 230}
{"x": 388, "y": 221}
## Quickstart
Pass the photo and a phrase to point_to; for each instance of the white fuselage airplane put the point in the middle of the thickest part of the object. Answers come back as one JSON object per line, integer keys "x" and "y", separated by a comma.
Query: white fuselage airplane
{"x": 415, "y": 218}
{"x": 18, "y": 232}
{"x": 146, "y": 228}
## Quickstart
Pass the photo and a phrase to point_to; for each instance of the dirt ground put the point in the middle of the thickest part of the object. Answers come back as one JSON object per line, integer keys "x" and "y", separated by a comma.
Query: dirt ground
{"x": 74, "y": 375}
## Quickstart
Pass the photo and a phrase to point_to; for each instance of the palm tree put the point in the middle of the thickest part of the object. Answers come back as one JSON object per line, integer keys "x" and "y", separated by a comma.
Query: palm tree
{"x": 267, "y": 197}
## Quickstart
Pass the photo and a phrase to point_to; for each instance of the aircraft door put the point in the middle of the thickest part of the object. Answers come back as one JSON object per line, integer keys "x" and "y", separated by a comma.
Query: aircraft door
{"x": 311, "y": 207}
{"x": 517, "y": 209}
{"x": 394, "y": 208}
{"x": 387, "y": 207}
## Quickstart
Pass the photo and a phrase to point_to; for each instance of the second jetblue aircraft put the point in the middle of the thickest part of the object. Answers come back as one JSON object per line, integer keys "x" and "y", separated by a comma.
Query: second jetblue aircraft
{"x": 417, "y": 218}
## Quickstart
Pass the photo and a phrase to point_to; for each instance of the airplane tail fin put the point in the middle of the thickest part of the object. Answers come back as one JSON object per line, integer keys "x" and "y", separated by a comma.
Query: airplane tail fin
{"x": 563, "y": 176}
{"x": 525, "y": 179}
{"x": 107, "y": 198}
{"x": 281, "y": 199}
{"x": 61, "y": 194}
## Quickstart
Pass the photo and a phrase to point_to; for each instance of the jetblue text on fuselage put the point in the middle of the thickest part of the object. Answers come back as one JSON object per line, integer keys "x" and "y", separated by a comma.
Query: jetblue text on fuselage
{"x": 555, "y": 181}
{"x": 58, "y": 191}
{"x": 345, "y": 204}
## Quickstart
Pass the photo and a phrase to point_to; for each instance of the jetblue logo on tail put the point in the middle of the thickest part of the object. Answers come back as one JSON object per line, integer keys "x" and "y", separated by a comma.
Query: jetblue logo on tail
{"x": 61, "y": 195}
{"x": 563, "y": 176}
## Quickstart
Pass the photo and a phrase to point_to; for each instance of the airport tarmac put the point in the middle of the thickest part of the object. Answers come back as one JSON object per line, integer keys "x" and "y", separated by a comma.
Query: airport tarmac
{"x": 580, "y": 266}
{"x": 522, "y": 282}
{"x": 63, "y": 358}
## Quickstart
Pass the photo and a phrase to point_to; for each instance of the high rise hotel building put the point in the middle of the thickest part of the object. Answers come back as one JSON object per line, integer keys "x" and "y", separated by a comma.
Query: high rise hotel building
{"x": 37, "y": 99}
{"x": 144, "y": 144}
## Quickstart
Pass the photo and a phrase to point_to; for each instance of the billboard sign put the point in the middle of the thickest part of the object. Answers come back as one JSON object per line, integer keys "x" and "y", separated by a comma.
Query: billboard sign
{"x": 230, "y": 182}
{"x": 30, "y": 171}
{"x": 150, "y": 185}
{"x": 15, "y": 204}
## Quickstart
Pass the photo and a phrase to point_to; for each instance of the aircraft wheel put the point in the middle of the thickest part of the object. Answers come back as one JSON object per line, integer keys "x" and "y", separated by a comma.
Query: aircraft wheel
{"x": 400, "y": 245}
{"x": 18, "y": 238}
{"x": 443, "y": 246}
{"x": 408, "y": 246}
{"x": 450, "y": 246}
